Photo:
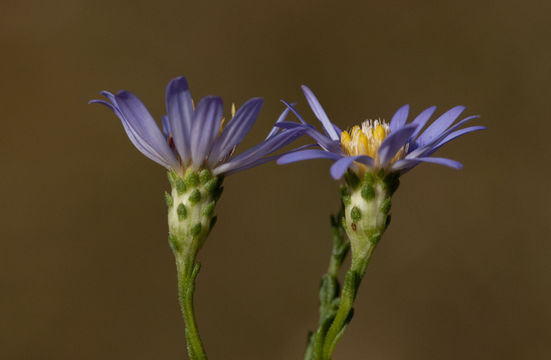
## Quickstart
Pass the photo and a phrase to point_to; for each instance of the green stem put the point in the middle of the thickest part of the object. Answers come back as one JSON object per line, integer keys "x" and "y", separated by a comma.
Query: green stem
{"x": 186, "y": 289}
{"x": 329, "y": 289}
{"x": 351, "y": 284}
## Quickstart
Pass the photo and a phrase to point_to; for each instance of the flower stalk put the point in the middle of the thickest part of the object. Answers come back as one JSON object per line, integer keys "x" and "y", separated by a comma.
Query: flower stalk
{"x": 366, "y": 216}
{"x": 190, "y": 219}
{"x": 329, "y": 289}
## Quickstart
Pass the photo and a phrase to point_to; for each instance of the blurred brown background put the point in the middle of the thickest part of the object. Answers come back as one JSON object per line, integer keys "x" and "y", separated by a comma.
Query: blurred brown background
{"x": 464, "y": 272}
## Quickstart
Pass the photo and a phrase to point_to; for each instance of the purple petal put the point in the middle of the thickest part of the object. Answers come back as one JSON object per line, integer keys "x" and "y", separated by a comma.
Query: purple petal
{"x": 322, "y": 140}
{"x": 265, "y": 148}
{"x": 180, "y": 115}
{"x": 458, "y": 133}
{"x": 427, "y": 149}
{"x": 306, "y": 155}
{"x": 340, "y": 166}
{"x": 281, "y": 118}
{"x": 166, "y": 127}
{"x": 138, "y": 142}
{"x": 407, "y": 164}
{"x": 142, "y": 123}
{"x": 320, "y": 113}
{"x": 292, "y": 108}
{"x": 394, "y": 142}
{"x": 235, "y": 131}
{"x": 246, "y": 166}
{"x": 205, "y": 127}
{"x": 262, "y": 161}
{"x": 399, "y": 118}
{"x": 422, "y": 119}
{"x": 440, "y": 125}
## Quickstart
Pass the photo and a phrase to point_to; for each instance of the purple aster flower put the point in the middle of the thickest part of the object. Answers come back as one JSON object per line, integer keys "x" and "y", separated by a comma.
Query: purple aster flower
{"x": 395, "y": 147}
{"x": 197, "y": 149}
{"x": 372, "y": 157}
{"x": 195, "y": 138}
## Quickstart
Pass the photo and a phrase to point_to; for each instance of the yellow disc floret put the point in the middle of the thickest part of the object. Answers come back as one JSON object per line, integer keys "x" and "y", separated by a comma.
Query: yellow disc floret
{"x": 367, "y": 139}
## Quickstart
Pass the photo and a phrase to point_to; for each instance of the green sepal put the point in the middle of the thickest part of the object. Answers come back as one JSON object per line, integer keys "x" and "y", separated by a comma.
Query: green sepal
{"x": 191, "y": 178}
{"x": 369, "y": 178}
{"x": 196, "y": 229}
{"x": 345, "y": 194}
{"x": 385, "y": 206}
{"x": 172, "y": 177}
{"x": 211, "y": 185}
{"x": 195, "y": 196}
{"x": 356, "y": 214}
{"x": 351, "y": 179}
{"x": 182, "y": 212}
{"x": 209, "y": 209}
{"x": 375, "y": 238}
{"x": 343, "y": 222}
{"x": 173, "y": 242}
{"x": 169, "y": 200}
{"x": 180, "y": 186}
{"x": 204, "y": 176}
{"x": 368, "y": 192}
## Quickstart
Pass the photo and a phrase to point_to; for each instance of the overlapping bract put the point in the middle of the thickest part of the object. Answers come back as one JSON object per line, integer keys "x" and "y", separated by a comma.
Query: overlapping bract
{"x": 419, "y": 144}
{"x": 192, "y": 137}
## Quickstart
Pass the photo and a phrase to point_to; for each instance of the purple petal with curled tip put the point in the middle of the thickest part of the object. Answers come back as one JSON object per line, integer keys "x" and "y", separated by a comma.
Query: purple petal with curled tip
{"x": 399, "y": 118}
{"x": 440, "y": 125}
{"x": 394, "y": 142}
{"x": 138, "y": 142}
{"x": 292, "y": 108}
{"x": 340, "y": 166}
{"x": 180, "y": 115}
{"x": 138, "y": 118}
{"x": 320, "y": 113}
{"x": 306, "y": 155}
{"x": 235, "y": 131}
{"x": 281, "y": 118}
{"x": 205, "y": 127}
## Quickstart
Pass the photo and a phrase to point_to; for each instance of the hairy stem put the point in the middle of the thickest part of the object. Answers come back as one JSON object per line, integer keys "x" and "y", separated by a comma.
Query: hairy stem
{"x": 186, "y": 289}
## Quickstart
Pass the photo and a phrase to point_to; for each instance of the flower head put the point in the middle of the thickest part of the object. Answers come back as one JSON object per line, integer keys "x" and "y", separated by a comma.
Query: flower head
{"x": 394, "y": 147}
{"x": 195, "y": 137}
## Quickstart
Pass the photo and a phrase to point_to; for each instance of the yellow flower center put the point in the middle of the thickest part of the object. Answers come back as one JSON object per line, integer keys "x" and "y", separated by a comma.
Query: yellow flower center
{"x": 367, "y": 139}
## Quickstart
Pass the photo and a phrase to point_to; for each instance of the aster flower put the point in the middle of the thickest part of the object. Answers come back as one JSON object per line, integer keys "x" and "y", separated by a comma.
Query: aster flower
{"x": 372, "y": 157}
{"x": 197, "y": 149}
{"x": 194, "y": 138}
{"x": 394, "y": 147}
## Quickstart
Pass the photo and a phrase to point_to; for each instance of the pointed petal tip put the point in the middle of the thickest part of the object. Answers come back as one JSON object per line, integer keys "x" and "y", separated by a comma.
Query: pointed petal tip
{"x": 255, "y": 101}
{"x": 177, "y": 84}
